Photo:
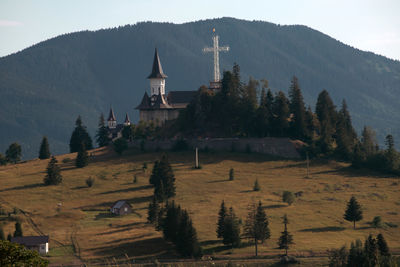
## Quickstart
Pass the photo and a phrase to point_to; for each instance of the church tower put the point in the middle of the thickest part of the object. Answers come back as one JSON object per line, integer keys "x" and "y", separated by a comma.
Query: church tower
{"x": 112, "y": 121}
{"x": 157, "y": 78}
{"x": 127, "y": 121}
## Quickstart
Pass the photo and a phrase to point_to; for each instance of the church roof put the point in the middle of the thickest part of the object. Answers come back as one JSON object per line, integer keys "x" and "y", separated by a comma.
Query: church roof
{"x": 111, "y": 116}
{"x": 160, "y": 103}
{"x": 127, "y": 120}
{"x": 145, "y": 104}
{"x": 157, "y": 71}
{"x": 180, "y": 97}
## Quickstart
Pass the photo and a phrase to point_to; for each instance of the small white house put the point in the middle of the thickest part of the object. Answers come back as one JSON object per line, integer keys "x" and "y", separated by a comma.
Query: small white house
{"x": 37, "y": 243}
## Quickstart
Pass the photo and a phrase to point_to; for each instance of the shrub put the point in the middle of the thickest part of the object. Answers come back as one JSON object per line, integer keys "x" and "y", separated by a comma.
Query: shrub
{"x": 256, "y": 186}
{"x": 377, "y": 222}
{"x": 135, "y": 180}
{"x": 90, "y": 181}
{"x": 231, "y": 174}
{"x": 120, "y": 145}
{"x": 288, "y": 197}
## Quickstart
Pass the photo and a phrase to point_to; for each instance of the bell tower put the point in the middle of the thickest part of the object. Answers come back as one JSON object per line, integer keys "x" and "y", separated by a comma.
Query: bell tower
{"x": 157, "y": 78}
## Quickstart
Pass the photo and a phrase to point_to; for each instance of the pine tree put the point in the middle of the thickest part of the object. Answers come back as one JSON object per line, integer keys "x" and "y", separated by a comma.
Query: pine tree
{"x": 256, "y": 186}
{"x": 297, "y": 108}
{"x": 231, "y": 234}
{"x": 13, "y": 153}
{"x": 120, "y": 145}
{"x": 231, "y": 174}
{"x": 356, "y": 254}
{"x": 18, "y": 230}
{"x": 102, "y": 133}
{"x": 82, "y": 158}
{"x": 382, "y": 245}
{"x": 187, "y": 242}
{"x": 280, "y": 110}
{"x": 2, "y": 236}
{"x": 256, "y": 226}
{"x": 286, "y": 239}
{"x": 153, "y": 211}
{"x": 167, "y": 176}
{"x": 368, "y": 141}
{"x": 371, "y": 251}
{"x": 53, "y": 173}
{"x": 221, "y": 220}
{"x": 326, "y": 113}
{"x": 345, "y": 133}
{"x": 353, "y": 212}
{"x": 79, "y": 136}
{"x": 44, "y": 152}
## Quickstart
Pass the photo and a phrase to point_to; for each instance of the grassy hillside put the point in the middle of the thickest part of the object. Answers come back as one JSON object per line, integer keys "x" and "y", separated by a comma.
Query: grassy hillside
{"x": 81, "y": 228}
{"x": 45, "y": 87}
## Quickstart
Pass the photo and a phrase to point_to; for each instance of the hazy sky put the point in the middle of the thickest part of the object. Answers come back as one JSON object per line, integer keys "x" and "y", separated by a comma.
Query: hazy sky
{"x": 372, "y": 25}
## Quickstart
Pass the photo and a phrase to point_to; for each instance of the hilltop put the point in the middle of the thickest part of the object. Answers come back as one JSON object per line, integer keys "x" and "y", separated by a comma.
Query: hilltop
{"x": 45, "y": 87}
{"x": 81, "y": 228}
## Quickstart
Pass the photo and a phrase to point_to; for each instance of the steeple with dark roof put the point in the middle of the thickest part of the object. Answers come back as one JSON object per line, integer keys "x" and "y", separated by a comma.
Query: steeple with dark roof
{"x": 112, "y": 121}
{"x": 127, "y": 121}
{"x": 157, "y": 71}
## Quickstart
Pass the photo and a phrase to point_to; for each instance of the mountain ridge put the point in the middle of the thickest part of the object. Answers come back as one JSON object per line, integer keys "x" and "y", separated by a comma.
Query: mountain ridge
{"x": 46, "y": 86}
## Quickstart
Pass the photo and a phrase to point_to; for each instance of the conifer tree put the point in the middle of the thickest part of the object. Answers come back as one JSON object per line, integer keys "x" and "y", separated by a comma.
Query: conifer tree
{"x": 3, "y": 160}
{"x": 9, "y": 236}
{"x": 345, "y": 133}
{"x": 44, "y": 152}
{"x": 382, "y": 245}
{"x": 297, "y": 108}
{"x": 102, "y": 133}
{"x": 221, "y": 220}
{"x": 163, "y": 179}
{"x": 18, "y": 230}
{"x": 2, "y": 236}
{"x": 153, "y": 211}
{"x": 353, "y": 212}
{"x": 326, "y": 113}
{"x": 231, "y": 174}
{"x": 280, "y": 109}
{"x": 231, "y": 234}
{"x": 82, "y": 158}
{"x": 356, "y": 254}
{"x": 187, "y": 242}
{"x": 256, "y": 226}
{"x": 256, "y": 186}
{"x": 79, "y": 136}
{"x": 371, "y": 251}
{"x": 13, "y": 153}
{"x": 120, "y": 145}
{"x": 368, "y": 141}
{"x": 286, "y": 239}
{"x": 53, "y": 173}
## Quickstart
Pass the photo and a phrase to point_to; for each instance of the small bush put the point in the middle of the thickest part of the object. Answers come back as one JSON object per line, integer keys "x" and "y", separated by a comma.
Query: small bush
{"x": 256, "y": 186}
{"x": 120, "y": 145}
{"x": 90, "y": 181}
{"x": 135, "y": 180}
{"x": 66, "y": 160}
{"x": 231, "y": 174}
{"x": 288, "y": 197}
{"x": 377, "y": 222}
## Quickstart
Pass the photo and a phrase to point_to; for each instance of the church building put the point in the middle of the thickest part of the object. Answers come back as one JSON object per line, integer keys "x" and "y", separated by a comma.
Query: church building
{"x": 114, "y": 129}
{"x": 159, "y": 106}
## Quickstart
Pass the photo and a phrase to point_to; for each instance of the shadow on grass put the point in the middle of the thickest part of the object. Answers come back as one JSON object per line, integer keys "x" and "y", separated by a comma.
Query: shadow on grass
{"x": 324, "y": 229}
{"x": 141, "y": 248}
{"x": 104, "y": 215}
{"x": 275, "y": 206}
{"x": 79, "y": 187}
{"x": 131, "y": 189}
{"x": 210, "y": 242}
{"x": 218, "y": 181}
{"x": 246, "y": 191}
{"x": 353, "y": 172}
{"x": 22, "y": 187}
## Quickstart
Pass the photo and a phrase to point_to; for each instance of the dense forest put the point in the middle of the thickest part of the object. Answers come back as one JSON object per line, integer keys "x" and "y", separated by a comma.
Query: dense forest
{"x": 45, "y": 87}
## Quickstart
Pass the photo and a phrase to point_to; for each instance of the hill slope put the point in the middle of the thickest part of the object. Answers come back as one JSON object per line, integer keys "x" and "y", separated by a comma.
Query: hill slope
{"x": 79, "y": 223}
{"x": 45, "y": 87}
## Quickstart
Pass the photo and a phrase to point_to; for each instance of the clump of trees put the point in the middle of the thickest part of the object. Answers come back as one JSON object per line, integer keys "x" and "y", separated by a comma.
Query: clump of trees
{"x": 53, "y": 173}
{"x": 375, "y": 252}
{"x": 13, "y": 154}
{"x": 12, "y": 254}
{"x": 163, "y": 179}
{"x": 79, "y": 136}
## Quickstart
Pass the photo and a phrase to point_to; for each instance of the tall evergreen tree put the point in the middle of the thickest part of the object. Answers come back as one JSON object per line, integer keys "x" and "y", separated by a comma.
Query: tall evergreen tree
{"x": 326, "y": 113}
{"x": 368, "y": 141}
{"x": 13, "y": 153}
{"x": 187, "y": 242}
{"x": 221, "y": 220}
{"x": 353, "y": 212}
{"x": 53, "y": 173}
{"x": 153, "y": 211}
{"x": 18, "y": 230}
{"x": 163, "y": 179}
{"x": 102, "y": 133}
{"x": 286, "y": 239}
{"x": 356, "y": 254}
{"x": 371, "y": 251}
{"x": 79, "y": 136}
{"x": 345, "y": 134}
{"x": 82, "y": 158}
{"x": 280, "y": 110}
{"x": 256, "y": 226}
{"x": 231, "y": 234}
{"x": 297, "y": 108}
{"x": 382, "y": 245}
{"x": 44, "y": 152}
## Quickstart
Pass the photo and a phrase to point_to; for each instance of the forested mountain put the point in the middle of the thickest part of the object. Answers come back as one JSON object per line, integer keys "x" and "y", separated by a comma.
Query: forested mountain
{"x": 44, "y": 88}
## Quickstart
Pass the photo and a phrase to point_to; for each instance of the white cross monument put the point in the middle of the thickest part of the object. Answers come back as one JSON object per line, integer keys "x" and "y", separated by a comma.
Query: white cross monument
{"x": 216, "y": 84}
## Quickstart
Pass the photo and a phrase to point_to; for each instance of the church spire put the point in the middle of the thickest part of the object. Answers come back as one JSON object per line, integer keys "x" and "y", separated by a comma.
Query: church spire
{"x": 127, "y": 121}
{"x": 157, "y": 71}
{"x": 112, "y": 121}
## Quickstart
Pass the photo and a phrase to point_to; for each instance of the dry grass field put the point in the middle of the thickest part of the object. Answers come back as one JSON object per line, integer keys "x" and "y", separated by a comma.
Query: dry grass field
{"x": 81, "y": 228}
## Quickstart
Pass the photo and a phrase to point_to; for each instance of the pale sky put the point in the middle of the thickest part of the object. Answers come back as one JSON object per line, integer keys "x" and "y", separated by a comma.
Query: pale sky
{"x": 371, "y": 25}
